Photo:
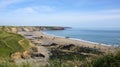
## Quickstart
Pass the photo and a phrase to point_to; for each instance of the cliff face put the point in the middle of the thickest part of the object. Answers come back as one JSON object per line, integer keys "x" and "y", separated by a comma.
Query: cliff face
{"x": 15, "y": 29}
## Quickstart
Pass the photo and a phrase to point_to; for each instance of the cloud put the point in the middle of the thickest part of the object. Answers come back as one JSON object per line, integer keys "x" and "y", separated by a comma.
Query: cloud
{"x": 80, "y": 18}
{"x": 5, "y": 3}
{"x": 33, "y": 16}
{"x": 26, "y": 10}
{"x": 65, "y": 17}
{"x": 113, "y": 11}
{"x": 34, "y": 10}
{"x": 113, "y": 14}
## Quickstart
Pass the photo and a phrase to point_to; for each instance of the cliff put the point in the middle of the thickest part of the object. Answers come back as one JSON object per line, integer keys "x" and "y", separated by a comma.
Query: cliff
{"x": 15, "y": 29}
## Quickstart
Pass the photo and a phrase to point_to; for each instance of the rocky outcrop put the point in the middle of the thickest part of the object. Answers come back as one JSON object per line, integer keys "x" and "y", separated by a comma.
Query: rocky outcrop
{"x": 35, "y": 54}
{"x": 20, "y": 55}
{"x": 39, "y": 52}
{"x": 16, "y": 56}
{"x": 68, "y": 47}
{"x": 26, "y": 55}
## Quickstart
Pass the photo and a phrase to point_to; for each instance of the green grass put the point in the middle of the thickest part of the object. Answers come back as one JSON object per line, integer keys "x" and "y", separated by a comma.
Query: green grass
{"x": 9, "y": 43}
{"x": 6, "y": 63}
{"x": 109, "y": 60}
{"x": 68, "y": 56}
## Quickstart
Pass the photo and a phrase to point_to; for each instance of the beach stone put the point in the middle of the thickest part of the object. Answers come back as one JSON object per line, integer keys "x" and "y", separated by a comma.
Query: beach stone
{"x": 68, "y": 46}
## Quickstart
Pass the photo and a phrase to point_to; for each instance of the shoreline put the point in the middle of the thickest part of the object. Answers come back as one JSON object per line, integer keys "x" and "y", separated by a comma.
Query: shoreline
{"x": 103, "y": 47}
{"x": 77, "y": 39}
{"x": 48, "y": 39}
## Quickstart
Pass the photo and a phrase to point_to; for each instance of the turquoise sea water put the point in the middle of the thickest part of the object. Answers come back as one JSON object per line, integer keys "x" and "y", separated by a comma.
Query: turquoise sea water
{"x": 110, "y": 37}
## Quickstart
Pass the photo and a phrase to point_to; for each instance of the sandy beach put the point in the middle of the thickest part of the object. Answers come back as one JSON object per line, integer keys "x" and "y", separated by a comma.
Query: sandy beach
{"x": 46, "y": 39}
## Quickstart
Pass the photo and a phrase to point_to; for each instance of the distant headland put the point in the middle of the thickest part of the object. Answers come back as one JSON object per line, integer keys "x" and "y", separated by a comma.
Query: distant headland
{"x": 32, "y": 28}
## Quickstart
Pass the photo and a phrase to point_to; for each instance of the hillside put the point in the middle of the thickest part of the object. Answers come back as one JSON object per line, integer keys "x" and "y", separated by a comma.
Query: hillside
{"x": 11, "y": 43}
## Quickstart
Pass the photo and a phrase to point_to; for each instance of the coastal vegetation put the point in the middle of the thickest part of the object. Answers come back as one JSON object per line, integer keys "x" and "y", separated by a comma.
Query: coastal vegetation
{"x": 109, "y": 60}
{"x": 9, "y": 43}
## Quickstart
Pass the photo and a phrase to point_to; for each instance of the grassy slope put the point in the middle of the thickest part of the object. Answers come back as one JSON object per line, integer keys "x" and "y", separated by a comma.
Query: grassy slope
{"x": 9, "y": 43}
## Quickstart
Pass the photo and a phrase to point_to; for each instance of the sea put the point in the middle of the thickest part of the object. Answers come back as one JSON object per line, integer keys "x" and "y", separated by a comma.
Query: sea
{"x": 109, "y": 37}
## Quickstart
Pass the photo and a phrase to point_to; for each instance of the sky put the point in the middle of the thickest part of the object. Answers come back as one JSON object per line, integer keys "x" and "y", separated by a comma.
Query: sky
{"x": 72, "y": 13}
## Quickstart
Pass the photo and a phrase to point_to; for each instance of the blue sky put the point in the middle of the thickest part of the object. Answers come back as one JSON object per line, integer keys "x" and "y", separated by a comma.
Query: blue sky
{"x": 76, "y": 13}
